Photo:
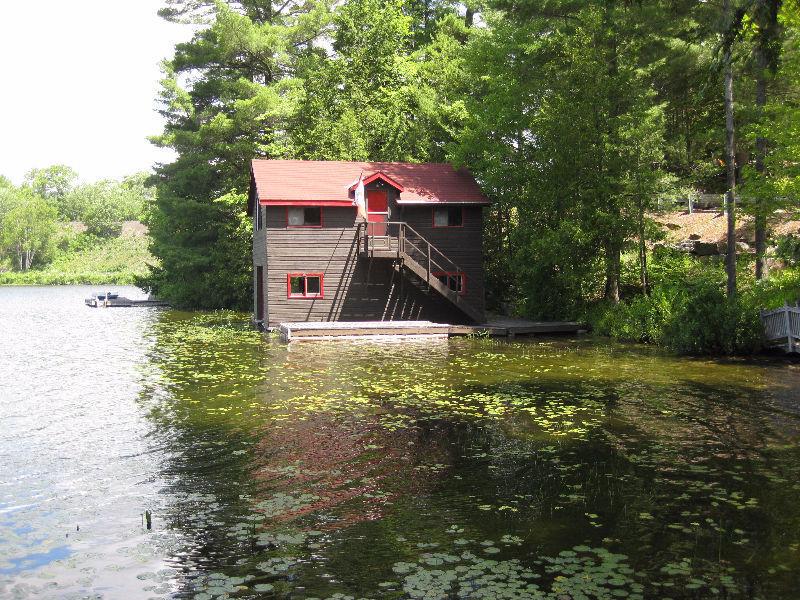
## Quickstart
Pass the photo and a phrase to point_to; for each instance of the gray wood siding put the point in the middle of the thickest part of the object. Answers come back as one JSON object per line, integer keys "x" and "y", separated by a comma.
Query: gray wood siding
{"x": 463, "y": 245}
{"x": 260, "y": 260}
{"x": 355, "y": 288}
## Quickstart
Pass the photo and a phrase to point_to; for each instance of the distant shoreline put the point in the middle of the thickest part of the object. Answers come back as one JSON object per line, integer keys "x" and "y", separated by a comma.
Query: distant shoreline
{"x": 54, "y": 280}
{"x": 107, "y": 261}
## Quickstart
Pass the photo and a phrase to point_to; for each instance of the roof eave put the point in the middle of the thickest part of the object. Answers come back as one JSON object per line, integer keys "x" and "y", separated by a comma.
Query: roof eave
{"x": 340, "y": 203}
{"x": 445, "y": 202}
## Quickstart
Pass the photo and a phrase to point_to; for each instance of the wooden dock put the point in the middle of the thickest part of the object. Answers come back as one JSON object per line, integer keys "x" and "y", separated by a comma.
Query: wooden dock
{"x": 511, "y": 327}
{"x": 343, "y": 330}
{"x": 358, "y": 329}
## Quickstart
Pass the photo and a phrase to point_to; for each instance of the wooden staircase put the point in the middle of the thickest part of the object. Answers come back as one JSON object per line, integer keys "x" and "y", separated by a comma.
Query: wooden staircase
{"x": 415, "y": 254}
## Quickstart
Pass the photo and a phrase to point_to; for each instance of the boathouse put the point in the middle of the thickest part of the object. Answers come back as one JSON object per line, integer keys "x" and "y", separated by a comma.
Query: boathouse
{"x": 412, "y": 251}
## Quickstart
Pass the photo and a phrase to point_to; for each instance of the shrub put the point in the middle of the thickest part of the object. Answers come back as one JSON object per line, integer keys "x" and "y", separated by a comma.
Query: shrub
{"x": 642, "y": 319}
{"x": 103, "y": 220}
{"x": 787, "y": 248}
{"x": 706, "y": 321}
{"x": 688, "y": 310}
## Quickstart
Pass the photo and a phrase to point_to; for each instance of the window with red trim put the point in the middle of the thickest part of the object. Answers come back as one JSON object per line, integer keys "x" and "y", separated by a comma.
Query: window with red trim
{"x": 304, "y": 216}
{"x": 304, "y": 285}
{"x": 448, "y": 216}
{"x": 455, "y": 281}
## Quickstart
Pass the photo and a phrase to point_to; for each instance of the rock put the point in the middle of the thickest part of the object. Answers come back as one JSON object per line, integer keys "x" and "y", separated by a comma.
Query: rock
{"x": 705, "y": 248}
{"x": 694, "y": 236}
{"x": 742, "y": 247}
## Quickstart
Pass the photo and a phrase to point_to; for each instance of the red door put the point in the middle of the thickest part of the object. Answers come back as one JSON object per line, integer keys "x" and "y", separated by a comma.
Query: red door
{"x": 377, "y": 211}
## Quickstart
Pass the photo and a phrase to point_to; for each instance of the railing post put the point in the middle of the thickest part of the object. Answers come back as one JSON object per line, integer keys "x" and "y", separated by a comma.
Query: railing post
{"x": 400, "y": 239}
{"x": 429, "y": 265}
{"x": 788, "y": 319}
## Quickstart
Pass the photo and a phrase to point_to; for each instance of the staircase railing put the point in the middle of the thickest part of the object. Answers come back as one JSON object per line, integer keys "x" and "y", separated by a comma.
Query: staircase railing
{"x": 417, "y": 253}
{"x": 413, "y": 244}
{"x": 410, "y": 242}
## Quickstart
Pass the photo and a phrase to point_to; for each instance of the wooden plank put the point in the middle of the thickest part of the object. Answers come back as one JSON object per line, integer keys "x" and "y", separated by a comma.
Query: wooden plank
{"x": 341, "y": 329}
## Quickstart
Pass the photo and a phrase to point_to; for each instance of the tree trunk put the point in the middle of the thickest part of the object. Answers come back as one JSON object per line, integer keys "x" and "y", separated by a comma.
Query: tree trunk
{"x": 469, "y": 17}
{"x": 767, "y": 21}
{"x": 612, "y": 245}
{"x": 730, "y": 156}
{"x": 613, "y": 264}
{"x": 642, "y": 250}
{"x": 761, "y": 151}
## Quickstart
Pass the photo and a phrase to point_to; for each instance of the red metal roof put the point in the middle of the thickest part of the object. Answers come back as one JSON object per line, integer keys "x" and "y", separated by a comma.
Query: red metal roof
{"x": 289, "y": 181}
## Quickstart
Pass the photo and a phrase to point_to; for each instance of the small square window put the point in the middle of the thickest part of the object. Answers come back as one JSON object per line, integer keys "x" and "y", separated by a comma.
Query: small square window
{"x": 448, "y": 216}
{"x": 304, "y": 216}
{"x": 297, "y": 286}
{"x": 304, "y": 285}
{"x": 454, "y": 281}
{"x": 313, "y": 287}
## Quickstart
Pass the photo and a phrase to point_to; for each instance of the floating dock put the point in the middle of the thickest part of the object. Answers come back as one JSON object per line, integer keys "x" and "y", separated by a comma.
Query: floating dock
{"x": 122, "y": 302}
{"x": 358, "y": 329}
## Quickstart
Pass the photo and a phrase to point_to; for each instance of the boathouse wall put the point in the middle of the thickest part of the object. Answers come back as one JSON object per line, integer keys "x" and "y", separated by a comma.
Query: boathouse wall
{"x": 463, "y": 245}
{"x": 355, "y": 287}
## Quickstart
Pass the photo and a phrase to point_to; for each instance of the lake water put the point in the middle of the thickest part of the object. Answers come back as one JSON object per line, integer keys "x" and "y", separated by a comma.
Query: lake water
{"x": 561, "y": 468}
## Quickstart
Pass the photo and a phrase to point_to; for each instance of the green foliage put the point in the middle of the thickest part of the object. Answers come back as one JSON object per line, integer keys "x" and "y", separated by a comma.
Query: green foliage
{"x": 779, "y": 185}
{"x": 105, "y": 204}
{"x": 642, "y": 319}
{"x": 577, "y": 169}
{"x": 368, "y": 102}
{"x": 204, "y": 252}
{"x": 688, "y": 311}
{"x": 27, "y": 229}
{"x": 54, "y": 183}
{"x": 242, "y": 91}
{"x": 787, "y": 248}
{"x": 31, "y": 235}
{"x": 706, "y": 321}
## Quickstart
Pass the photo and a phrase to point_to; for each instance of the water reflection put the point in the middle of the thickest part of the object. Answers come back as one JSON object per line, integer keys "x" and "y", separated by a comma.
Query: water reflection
{"x": 468, "y": 468}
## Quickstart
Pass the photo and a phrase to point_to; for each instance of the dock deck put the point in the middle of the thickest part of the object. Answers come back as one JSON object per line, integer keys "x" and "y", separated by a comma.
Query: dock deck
{"x": 504, "y": 327}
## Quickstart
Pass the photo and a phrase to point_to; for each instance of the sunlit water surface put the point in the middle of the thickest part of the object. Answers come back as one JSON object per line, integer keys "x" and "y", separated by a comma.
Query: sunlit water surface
{"x": 562, "y": 468}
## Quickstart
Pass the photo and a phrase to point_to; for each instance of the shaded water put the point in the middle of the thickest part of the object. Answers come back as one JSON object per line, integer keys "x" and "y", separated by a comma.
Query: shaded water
{"x": 438, "y": 469}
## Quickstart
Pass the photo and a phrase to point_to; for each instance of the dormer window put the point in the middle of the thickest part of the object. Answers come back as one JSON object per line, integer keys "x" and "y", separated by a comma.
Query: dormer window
{"x": 304, "y": 216}
{"x": 448, "y": 216}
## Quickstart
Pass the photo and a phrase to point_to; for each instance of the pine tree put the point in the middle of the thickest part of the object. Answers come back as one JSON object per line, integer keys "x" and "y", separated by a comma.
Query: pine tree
{"x": 227, "y": 97}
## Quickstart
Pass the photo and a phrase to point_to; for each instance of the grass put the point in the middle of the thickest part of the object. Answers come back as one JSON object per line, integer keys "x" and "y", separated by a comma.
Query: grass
{"x": 111, "y": 261}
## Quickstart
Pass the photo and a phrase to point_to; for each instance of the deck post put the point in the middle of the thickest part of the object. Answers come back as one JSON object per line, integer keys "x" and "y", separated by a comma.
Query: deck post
{"x": 788, "y": 319}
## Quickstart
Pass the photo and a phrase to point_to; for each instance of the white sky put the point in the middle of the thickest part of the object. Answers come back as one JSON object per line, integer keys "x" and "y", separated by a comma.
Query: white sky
{"x": 80, "y": 79}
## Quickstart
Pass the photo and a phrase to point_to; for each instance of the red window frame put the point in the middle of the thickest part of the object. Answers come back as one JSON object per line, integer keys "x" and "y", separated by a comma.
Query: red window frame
{"x": 454, "y": 274}
{"x": 305, "y": 295}
{"x": 321, "y": 218}
{"x": 433, "y": 216}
